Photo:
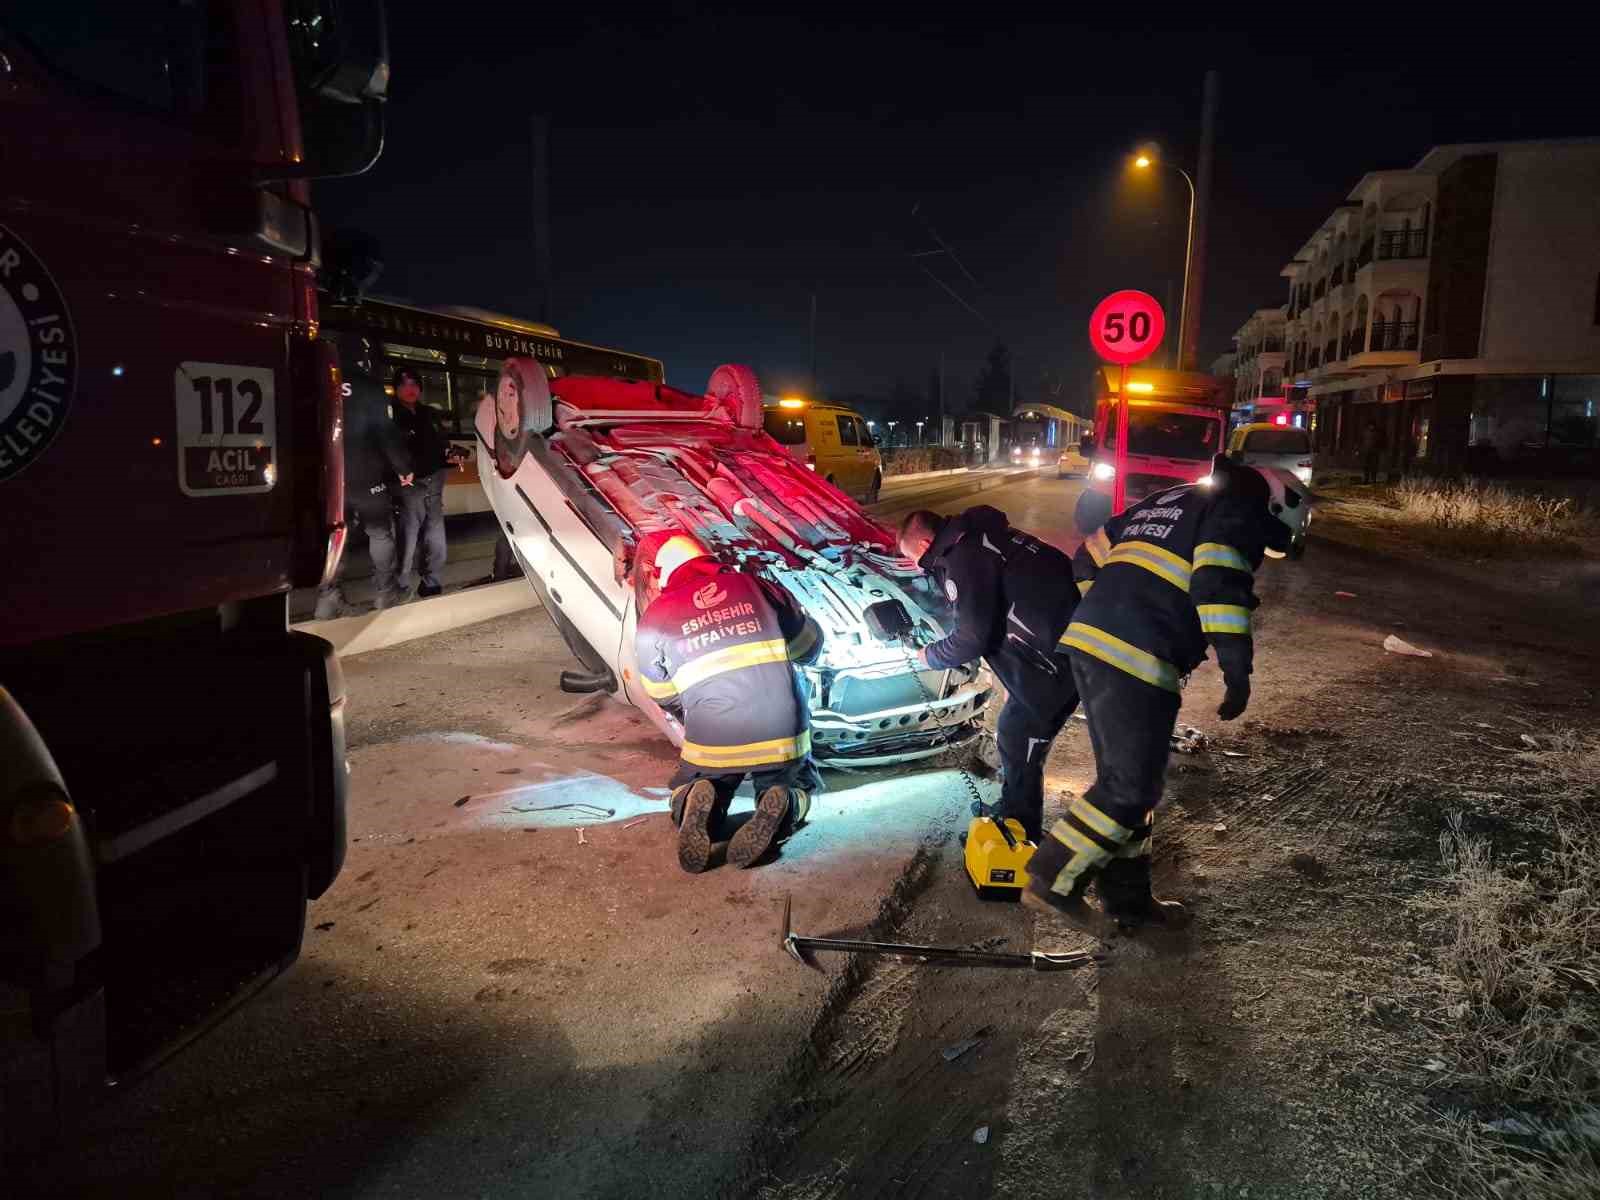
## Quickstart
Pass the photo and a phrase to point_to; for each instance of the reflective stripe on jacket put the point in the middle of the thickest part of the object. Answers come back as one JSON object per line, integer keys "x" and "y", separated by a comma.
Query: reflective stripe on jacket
{"x": 720, "y": 645}
{"x": 1165, "y": 577}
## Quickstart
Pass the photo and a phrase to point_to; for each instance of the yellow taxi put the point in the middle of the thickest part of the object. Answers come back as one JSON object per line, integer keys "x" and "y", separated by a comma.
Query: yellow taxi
{"x": 831, "y": 440}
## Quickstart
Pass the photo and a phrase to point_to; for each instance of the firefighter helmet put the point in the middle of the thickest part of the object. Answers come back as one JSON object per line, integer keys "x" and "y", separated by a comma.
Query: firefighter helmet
{"x": 1290, "y": 505}
{"x": 674, "y": 552}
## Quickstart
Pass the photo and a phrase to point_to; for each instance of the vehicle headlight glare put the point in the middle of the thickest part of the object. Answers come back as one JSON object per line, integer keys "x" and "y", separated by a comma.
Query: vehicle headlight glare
{"x": 1103, "y": 471}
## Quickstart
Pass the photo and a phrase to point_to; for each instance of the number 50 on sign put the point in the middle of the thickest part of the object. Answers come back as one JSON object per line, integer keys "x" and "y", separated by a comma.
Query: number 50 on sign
{"x": 1127, "y": 327}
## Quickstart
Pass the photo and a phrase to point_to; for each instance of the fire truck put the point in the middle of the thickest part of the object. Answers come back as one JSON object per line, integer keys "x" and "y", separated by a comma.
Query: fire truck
{"x": 1177, "y": 422}
{"x": 172, "y": 768}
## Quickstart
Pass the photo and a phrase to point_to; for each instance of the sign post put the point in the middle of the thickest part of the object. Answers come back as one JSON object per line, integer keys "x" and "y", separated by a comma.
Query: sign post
{"x": 1126, "y": 327}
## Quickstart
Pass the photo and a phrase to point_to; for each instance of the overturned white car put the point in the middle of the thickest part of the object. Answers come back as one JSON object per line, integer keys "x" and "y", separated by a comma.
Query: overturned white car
{"x": 578, "y": 468}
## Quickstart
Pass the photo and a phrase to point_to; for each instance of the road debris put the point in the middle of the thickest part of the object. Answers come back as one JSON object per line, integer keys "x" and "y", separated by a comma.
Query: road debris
{"x": 980, "y": 1134}
{"x": 1528, "y": 740}
{"x": 636, "y": 821}
{"x": 593, "y": 808}
{"x": 1186, "y": 739}
{"x": 325, "y": 926}
{"x": 582, "y": 841}
{"x": 951, "y": 1053}
{"x": 1219, "y": 830}
{"x": 1345, "y": 595}
{"x": 463, "y": 800}
{"x": 1396, "y": 645}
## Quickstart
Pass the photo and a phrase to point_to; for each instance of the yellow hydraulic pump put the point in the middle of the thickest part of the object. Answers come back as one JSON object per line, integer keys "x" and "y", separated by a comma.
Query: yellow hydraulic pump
{"x": 997, "y": 855}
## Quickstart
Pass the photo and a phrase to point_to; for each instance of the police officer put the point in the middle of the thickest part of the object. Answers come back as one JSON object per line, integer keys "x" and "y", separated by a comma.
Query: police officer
{"x": 1013, "y": 598}
{"x": 1160, "y": 580}
{"x": 374, "y": 454}
{"x": 422, "y": 537}
{"x": 717, "y": 646}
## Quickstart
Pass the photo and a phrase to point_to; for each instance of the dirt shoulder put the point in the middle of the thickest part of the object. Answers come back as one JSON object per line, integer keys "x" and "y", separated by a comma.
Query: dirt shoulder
{"x": 1271, "y": 1052}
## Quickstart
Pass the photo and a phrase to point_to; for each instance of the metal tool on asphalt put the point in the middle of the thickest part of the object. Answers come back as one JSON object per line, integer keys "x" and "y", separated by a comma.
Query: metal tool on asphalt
{"x": 798, "y": 946}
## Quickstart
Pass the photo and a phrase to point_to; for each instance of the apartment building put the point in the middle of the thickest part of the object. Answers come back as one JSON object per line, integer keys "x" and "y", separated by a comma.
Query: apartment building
{"x": 1258, "y": 365}
{"x": 1456, "y": 306}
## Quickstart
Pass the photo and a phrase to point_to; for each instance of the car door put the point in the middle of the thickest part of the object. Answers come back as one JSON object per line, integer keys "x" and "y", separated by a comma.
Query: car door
{"x": 847, "y": 475}
{"x": 867, "y": 456}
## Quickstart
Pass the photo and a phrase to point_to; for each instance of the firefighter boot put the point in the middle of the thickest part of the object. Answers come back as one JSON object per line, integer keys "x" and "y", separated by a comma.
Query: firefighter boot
{"x": 679, "y": 798}
{"x": 1124, "y": 888}
{"x": 757, "y": 835}
{"x": 1057, "y": 877}
{"x": 694, "y": 827}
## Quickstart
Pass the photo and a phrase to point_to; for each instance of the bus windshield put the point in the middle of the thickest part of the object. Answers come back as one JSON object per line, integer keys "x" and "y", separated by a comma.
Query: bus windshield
{"x": 1162, "y": 434}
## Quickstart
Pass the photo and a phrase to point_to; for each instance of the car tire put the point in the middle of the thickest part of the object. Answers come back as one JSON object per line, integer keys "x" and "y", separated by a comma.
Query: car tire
{"x": 1297, "y": 548}
{"x": 875, "y": 489}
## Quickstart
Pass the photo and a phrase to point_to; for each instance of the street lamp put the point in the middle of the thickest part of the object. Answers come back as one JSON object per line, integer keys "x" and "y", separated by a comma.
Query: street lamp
{"x": 920, "y": 424}
{"x": 1143, "y": 162}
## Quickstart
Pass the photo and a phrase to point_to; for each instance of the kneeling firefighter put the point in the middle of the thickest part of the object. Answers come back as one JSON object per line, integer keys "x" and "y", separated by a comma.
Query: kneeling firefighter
{"x": 719, "y": 646}
{"x": 1013, "y": 598}
{"x": 1159, "y": 581}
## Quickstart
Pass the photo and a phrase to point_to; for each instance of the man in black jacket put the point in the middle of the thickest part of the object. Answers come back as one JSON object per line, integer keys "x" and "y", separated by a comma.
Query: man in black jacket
{"x": 1013, "y": 597}
{"x": 422, "y": 504}
{"x": 374, "y": 454}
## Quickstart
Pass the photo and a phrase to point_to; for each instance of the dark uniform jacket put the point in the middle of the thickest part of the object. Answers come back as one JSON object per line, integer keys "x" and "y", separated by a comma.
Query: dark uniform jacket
{"x": 1013, "y": 594}
{"x": 374, "y": 450}
{"x": 719, "y": 645}
{"x": 1166, "y": 576}
{"x": 426, "y": 441}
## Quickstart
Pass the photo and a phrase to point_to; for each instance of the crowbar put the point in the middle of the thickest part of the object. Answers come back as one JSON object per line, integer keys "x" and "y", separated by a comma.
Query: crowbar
{"x": 798, "y": 946}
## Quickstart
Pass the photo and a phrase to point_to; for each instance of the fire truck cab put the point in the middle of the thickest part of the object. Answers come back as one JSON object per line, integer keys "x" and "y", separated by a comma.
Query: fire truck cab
{"x": 172, "y": 774}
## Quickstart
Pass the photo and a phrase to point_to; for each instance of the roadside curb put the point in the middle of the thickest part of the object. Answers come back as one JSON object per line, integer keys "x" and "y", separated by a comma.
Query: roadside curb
{"x": 970, "y": 485}
{"x": 423, "y": 618}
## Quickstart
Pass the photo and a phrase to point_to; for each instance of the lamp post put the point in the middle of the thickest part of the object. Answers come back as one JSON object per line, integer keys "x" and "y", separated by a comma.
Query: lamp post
{"x": 920, "y": 424}
{"x": 1143, "y": 162}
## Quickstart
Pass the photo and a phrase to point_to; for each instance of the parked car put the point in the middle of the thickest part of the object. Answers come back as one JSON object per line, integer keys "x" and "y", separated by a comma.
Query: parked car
{"x": 1073, "y": 461}
{"x": 1265, "y": 444}
{"x": 832, "y": 440}
{"x": 579, "y": 468}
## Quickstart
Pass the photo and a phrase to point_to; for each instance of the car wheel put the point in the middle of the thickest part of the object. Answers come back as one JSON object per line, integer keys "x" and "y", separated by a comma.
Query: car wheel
{"x": 875, "y": 489}
{"x": 1297, "y": 548}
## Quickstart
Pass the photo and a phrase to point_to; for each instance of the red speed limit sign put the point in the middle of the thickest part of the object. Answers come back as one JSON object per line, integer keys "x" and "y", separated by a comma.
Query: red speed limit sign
{"x": 1127, "y": 326}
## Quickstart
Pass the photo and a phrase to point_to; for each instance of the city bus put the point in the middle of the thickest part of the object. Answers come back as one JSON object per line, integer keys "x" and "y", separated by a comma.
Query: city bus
{"x": 457, "y": 354}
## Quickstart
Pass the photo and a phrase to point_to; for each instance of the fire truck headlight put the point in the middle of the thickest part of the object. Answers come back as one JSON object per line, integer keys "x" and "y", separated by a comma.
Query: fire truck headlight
{"x": 1103, "y": 471}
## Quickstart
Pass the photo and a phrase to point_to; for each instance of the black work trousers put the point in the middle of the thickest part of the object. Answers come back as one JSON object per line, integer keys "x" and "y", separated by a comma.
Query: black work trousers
{"x": 1038, "y": 704}
{"x": 1130, "y": 728}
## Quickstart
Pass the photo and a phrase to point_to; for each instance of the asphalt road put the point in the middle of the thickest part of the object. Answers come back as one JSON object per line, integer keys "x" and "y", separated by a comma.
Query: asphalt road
{"x": 512, "y": 989}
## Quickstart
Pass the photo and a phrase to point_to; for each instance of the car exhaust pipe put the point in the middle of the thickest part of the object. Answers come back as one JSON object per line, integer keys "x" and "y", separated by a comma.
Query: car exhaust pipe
{"x": 581, "y": 683}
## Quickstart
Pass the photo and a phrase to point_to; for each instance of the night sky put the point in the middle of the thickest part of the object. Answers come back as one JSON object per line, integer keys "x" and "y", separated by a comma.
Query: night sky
{"x": 711, "y": 168}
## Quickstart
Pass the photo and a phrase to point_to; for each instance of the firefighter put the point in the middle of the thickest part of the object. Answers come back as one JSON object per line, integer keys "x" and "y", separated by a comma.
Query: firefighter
{"x": 1160, "y": 580}
{"x": 1013, "y": 597}
{"x": 719, "y": 647}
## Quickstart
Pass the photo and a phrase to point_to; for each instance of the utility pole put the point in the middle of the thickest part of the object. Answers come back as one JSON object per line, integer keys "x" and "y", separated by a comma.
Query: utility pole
{"x": 941, "y": 398}
{"x": 541, "y": 219}
{"x": 1190, "y": 336}
{"x": 813, "y": 343}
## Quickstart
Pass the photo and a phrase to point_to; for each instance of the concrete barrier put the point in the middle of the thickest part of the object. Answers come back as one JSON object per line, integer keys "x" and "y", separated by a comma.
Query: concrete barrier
{"x": 424, "y": 618}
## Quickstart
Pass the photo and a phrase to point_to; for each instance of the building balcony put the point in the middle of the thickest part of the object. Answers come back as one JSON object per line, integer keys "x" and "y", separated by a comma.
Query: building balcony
{"x": 1271, "y": 360}
{"x": 1403, "y": 243}
{"x": 1393, "y": 335}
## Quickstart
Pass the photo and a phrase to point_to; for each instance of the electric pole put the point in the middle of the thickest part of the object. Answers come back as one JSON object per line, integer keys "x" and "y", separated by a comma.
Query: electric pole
{"x": 1190, "y": 336}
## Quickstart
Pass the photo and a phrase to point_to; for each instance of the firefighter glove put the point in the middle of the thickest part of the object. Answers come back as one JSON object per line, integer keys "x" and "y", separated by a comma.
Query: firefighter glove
{"x": 1234, "y": 699}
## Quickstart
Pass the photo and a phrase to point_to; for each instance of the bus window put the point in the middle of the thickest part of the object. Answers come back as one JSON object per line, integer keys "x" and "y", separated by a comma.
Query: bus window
{"x": 435, "y": 390}
{"x": 466, "y": 389}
